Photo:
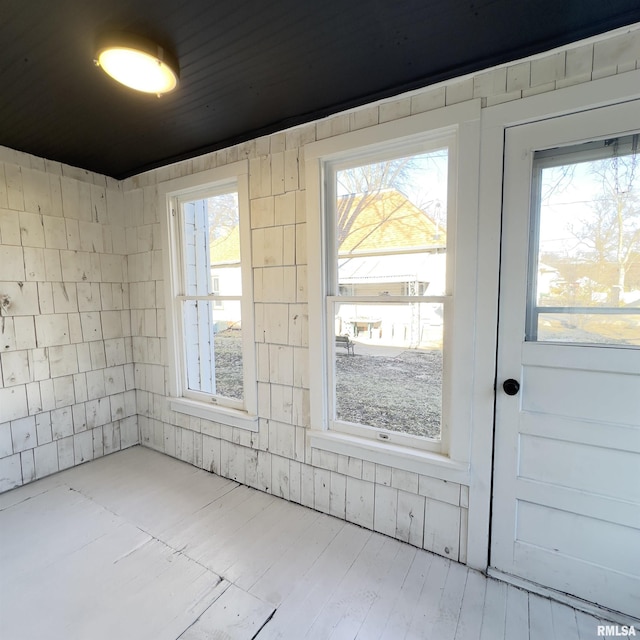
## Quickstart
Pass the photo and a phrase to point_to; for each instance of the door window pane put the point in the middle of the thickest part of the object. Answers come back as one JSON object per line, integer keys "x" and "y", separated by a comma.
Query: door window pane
{"x": 585, "y": 266}
{"x": 607, "y": 328}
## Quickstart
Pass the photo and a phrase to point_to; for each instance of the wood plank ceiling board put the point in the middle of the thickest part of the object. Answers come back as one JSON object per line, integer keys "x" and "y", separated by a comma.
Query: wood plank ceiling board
{"x": 250, "y": 68}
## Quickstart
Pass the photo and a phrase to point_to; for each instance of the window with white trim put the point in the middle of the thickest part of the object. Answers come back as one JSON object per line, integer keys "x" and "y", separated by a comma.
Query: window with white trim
{"x": 387, "y": 291}
{"x": 210, "y": 307}
{"x": 393, "y": 295}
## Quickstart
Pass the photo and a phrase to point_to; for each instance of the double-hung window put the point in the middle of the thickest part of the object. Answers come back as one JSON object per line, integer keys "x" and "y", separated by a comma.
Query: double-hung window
{"x": 392, "y": 295}
{"x": 212, "y": 372}
{"x": 388, "y": 291}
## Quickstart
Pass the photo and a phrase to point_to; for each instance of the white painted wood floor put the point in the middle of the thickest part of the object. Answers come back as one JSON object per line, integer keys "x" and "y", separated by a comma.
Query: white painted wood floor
{"x": 138, "y": 545}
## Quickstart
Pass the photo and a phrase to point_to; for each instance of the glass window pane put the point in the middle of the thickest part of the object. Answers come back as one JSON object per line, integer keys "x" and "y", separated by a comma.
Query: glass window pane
{"x": 198, "y": 340}
{"x": 392, "y": 377}
{"x": 588, "y": 249}
{"x": 213, "y": 348}
{"x": 590, "y": 328}
{"x": 196, "y": 257}
{"x": 228, "y": 350}
{"x": 224, "y": 244}
{"x": 212, "y": 246}
{"x": 391, "y": 226}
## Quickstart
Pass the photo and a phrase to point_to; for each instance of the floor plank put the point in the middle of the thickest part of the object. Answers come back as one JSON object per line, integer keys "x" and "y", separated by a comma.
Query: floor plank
{"x": 153, "y": 499}
{"x": 469, "y": 624}
{"x": 211, "y": 532}
{"x": 516, "y": 625}
{"x": 540, "y": 619}
{"x": 287, "y": 571}
{"x": 587, "y": 626}
{"x": 70, "y": 520}
{"x": 564, "y": 622}
{"x": 298, "y": 612}
{"x": 236, "y": 615}
{"x": 427, "y": 611}
{"x": 388, "y": 593}
{"x": 495, "y": 611}
{"x": 444, "y": 625}
{"x": 279, "y": 526}
{"x": 400, "y": 619}
{"x": 344, "y": 612}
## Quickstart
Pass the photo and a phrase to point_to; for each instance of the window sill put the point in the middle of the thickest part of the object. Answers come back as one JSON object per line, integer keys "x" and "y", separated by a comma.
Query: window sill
{"x": 223, "y": 415}
{"x": 426, "y": 463}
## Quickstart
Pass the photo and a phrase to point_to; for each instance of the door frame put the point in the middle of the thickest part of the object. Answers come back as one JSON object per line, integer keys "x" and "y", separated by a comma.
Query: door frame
{"x": 513, "y": 355}
{"x": 494, "y": 121}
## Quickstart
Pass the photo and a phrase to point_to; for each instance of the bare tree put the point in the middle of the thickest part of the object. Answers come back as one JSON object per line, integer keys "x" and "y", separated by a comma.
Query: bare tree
{"x": 611, "y": 236}
{"x": 362, "y": 186}
{"x": 223, "y": 214}
{"x": 374, "y": 177}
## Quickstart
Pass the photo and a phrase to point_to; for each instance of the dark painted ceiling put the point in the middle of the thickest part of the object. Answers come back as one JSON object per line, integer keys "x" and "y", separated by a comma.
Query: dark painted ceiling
{"x": 250, "y": 67}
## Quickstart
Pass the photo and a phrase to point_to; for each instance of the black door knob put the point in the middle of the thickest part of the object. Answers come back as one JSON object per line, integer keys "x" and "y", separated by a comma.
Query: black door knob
{"x": 511, "y": 387}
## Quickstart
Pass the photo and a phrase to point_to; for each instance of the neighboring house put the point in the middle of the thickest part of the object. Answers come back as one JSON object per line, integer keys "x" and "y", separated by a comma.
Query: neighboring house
{"x": 389, "y": 247}
{"x": 226, "y": 278}
{"x": 547, "y": 278}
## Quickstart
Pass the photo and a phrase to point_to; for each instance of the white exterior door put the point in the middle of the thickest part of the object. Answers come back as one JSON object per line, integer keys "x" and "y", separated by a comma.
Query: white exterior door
{"x": 566, "y": 496}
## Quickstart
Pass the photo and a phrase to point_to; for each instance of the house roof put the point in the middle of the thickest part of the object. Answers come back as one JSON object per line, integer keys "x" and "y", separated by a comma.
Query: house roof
{"x": 382, "y": 221}
{"x": 385, "y": 220}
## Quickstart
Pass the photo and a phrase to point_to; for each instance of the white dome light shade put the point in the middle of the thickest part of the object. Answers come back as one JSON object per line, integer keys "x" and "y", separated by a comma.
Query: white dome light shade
{"x": 139, "y": 64}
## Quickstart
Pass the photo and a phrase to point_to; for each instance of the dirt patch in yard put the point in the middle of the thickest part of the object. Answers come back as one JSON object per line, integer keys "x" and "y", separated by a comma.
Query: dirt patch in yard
{"x": 401, "y": 393}
{"x": 398, "y": 393}
{"x": 228, "y": 351}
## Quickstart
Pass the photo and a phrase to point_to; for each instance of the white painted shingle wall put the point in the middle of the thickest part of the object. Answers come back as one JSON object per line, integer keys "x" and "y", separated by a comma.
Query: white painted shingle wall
{"x": 424, "y": 511}
{"x": 67, "y": 383}
{"x": 57, "y": 411}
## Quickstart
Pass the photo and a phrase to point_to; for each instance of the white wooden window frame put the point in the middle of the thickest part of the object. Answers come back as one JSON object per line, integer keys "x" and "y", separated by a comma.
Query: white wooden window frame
{"x": 331, "y": 168}
{"x": 458, "y": 128}
{"x": 233, "y": 176}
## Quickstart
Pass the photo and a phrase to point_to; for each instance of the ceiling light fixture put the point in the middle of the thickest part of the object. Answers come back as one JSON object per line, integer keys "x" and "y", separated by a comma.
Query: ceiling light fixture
{"x": 138, "y": 63}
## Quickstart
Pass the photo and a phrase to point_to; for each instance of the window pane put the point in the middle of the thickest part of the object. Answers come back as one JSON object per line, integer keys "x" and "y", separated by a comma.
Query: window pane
{"x": 590, "y": 328}
{"x": 212, "y": 246}
{"x": 228, "y": 350}
{"x": 392, "y": 378}
{"x": 391, "y": 226}
{"x": 199, "y": 351}
{"x": 588, "y": 252}
{"x": 213, "y": 347}
{"x": 224, "y": 244}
